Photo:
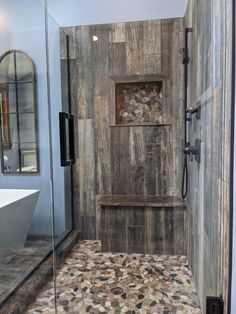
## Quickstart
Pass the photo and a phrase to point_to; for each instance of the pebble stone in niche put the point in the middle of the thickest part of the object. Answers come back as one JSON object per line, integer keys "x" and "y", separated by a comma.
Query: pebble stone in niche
{"x": 139, "y": 103}
{"x": 153, "y": 284}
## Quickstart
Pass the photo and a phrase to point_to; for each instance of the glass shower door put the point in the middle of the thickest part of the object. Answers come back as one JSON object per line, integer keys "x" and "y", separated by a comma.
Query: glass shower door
{"x": 62, "y": 132}
{"x": 26, "y": 205}
{"x": 61, "y": 128}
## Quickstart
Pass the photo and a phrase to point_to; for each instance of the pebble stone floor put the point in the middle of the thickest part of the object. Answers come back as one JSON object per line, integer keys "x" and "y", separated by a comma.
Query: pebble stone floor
{"x": 146, "y": 283}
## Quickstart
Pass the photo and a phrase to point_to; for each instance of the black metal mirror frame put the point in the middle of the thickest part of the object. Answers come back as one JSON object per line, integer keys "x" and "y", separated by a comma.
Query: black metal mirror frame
{"x": 4, "y": 118}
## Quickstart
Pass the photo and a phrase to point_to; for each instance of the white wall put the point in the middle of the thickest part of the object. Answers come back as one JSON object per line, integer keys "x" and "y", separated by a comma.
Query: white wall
{"x": 83, "y": 12}
{"x": 22, "y": 26}
{"x": 185, "y": 6}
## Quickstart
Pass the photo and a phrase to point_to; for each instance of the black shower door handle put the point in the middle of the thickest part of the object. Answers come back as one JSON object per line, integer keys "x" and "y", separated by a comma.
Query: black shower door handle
{"x": 67, "y": 142}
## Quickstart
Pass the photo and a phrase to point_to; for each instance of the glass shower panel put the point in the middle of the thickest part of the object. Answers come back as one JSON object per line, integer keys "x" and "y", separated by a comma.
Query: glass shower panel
{"x": 62, "y": 175}
{"x": 26, "y": 207}
{"x": 59, "y": 99}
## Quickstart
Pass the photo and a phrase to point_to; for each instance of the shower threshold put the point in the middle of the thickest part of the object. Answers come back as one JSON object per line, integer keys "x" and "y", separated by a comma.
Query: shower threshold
{"x": 93, "y": 282}
{"x": 24, "y": 272}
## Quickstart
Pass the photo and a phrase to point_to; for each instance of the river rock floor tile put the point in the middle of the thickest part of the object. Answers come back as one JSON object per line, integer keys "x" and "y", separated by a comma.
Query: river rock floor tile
{"x": 93, "y": 282}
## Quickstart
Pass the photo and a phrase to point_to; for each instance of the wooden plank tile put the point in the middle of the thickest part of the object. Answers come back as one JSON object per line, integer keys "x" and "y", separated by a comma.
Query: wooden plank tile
{"x": 152, "y": 169}
{"x": 166, "y": 162}
{"x": 152, "y": 64}
{"x": 136, "y": 239}
{"x": 87, "y": 227}
{"x": 117, "y": 59}
{"x": 117, "y": 33}
{"x": 152, "y": 37}
{"x": 135, "y": 216}
{"x": 152, "y": 46}
{"x": 63, "y": 50}
{"x": 169, "y": 230}
{"x": 179, "y": 236}
{"x": 102, "y": 144}
{"x": 120, "y": 160}
{"x": 166, "y": 46}
{"x": 100, "y": 59}
{"x": 85, "y": 82}
{"x": 136, "y": 161}
{"x": 103, "y": 227}
{"x": 117, "y": 230}
{"x": 159, "y": 233}
{"x": 150, "y": 231}
{"x": 86, "y": 167}
{"x": 71, "y": 32}
{"x": 141, "y": 201}
{"x": 134, "y": 48}
{"x": 152, "y": 135}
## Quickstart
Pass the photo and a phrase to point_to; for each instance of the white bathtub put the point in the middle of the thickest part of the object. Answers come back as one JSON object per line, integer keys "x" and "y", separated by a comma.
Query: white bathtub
{"x": 16, "y": 212}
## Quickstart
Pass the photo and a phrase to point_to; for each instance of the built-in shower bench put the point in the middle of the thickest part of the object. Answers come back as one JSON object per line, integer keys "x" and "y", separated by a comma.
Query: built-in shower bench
{"x": 142, "y": 224}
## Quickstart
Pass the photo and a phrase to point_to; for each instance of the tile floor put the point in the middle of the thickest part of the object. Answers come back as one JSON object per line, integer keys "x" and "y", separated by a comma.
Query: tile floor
{"x": 93, "y": 282}
{"x": 17, "y": 264}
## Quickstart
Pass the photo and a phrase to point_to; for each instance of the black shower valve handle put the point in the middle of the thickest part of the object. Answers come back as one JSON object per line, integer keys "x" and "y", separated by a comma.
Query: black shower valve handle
{"x": 193, "y": 150}
{"x": 185, "y": 60}
{"x": 190, "y": 150}
{"x": 186, "y": 149}
{"x": 190, "y": 110}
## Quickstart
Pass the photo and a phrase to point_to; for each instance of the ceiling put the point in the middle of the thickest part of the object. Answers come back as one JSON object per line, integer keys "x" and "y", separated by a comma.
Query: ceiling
{"x": 86, "y": 12}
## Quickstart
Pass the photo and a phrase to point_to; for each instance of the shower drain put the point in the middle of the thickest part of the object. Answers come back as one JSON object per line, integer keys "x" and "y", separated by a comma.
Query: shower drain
{"x": 117, "y": 290}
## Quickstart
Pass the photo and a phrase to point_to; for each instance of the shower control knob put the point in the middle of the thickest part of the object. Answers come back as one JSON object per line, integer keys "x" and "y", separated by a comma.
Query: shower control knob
{"x": 193, "y": 150}
{"x": 189, "y": 151}
{"x": 186, "y": 150}
{"x": 189, "y": 110}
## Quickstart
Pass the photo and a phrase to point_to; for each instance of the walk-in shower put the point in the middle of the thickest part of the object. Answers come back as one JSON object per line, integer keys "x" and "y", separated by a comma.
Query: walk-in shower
{"x": 100, "y": 125}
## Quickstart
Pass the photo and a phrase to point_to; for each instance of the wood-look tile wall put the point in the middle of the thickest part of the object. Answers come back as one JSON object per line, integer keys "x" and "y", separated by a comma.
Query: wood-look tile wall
{"x": 145, "y": 225}
{"x": 120, "y": 160}
{"x": 209, "y": 182}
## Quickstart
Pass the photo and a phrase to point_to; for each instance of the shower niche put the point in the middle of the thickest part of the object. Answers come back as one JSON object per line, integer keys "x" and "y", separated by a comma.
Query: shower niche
{"x": 139, "y": 103}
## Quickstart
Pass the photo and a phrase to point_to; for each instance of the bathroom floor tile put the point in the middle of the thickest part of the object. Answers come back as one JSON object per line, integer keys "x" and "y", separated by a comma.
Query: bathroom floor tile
{"x": 93, "y": 282}
{"x": 17, "y": 264}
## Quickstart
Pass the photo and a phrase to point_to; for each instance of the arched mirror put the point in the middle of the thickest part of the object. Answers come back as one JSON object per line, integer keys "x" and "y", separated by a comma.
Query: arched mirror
{"x": 19, "y": 147}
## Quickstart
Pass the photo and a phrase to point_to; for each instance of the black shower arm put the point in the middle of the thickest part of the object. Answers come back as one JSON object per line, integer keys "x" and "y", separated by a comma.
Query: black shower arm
{"x": 192, "y": 110}
{"x": 196, "y": 110}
